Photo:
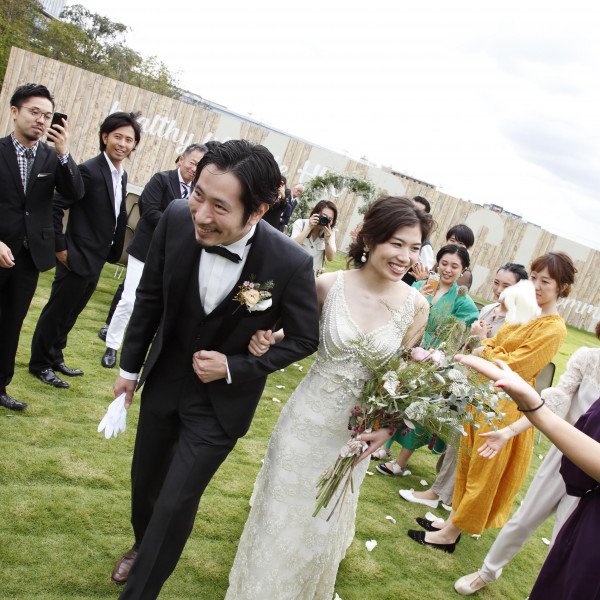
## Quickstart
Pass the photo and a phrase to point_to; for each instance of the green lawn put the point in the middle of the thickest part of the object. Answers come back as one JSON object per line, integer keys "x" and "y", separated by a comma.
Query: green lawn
{"x": 65, "y": 502}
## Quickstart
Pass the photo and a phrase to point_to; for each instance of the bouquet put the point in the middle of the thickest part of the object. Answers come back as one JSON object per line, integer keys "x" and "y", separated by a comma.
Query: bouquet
{"x": 417, "y": 386}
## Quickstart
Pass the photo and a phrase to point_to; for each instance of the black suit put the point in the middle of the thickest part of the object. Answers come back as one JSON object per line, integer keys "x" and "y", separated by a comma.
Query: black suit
{"x": 94, "y": 236}
{"x": 27, "y": 216}
{"x": 187, "y": 428}
{"x": 159, "y": 192}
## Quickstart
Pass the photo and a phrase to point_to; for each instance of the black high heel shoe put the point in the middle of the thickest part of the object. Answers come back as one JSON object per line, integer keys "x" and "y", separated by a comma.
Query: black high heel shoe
{"x": 419, "y": 537}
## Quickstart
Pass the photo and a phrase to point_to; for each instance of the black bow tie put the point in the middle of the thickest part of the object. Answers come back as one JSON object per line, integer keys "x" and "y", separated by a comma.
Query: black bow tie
{"x": 221, "y": 251}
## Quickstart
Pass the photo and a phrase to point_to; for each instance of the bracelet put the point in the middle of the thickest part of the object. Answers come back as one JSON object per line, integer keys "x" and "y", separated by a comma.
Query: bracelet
{"x": 526, "y": 410}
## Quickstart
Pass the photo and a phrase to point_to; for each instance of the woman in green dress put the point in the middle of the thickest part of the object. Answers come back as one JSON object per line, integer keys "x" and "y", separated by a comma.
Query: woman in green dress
{"x": 444, "y": 299}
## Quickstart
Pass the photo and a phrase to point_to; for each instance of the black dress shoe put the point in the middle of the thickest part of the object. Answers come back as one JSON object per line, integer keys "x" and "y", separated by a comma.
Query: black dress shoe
{"x": 102, "y": 333}
{"x": 62, "y": 368}
{"x": 109, "y": 360}
{"x": 49, "y": 377}
{"x": 419, "y": 536}
{"x": 8, "y": 402}
{"x": 426, "y": 524}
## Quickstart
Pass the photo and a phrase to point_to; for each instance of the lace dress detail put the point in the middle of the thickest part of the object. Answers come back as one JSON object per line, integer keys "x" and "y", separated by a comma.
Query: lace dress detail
{"x": 285, "y": 553}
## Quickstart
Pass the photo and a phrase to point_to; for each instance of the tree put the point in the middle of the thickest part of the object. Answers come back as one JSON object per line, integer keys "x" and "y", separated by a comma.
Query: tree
{"x": 17, "y": 27}
{"x": 83, "y": 39}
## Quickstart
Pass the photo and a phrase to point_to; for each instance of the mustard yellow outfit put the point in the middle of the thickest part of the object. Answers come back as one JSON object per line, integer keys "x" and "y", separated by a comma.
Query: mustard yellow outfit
{"x": 485, "y": 488}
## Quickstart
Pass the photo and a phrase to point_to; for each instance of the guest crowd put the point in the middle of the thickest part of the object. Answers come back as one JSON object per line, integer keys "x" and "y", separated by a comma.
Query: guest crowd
{"x": 477, "y": 482}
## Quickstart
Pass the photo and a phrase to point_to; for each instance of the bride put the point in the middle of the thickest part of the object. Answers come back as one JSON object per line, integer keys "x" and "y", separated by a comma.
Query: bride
{"x": 284, "y": 553}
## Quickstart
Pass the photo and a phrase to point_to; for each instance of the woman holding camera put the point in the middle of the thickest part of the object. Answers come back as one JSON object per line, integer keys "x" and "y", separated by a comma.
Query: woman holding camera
{"x": 315, "y": 234}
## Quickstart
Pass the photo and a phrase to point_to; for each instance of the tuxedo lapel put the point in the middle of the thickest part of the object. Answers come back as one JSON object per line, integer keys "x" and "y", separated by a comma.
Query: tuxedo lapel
{"x": 9, "y": 154}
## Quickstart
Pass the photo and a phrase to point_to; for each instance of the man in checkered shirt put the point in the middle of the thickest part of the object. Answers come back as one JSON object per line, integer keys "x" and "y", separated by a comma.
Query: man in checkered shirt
{"x": 30, "y": 171}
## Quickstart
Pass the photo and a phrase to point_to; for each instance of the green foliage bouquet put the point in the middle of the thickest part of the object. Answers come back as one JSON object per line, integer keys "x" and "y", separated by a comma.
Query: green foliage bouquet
{"x": 417, "y": 386}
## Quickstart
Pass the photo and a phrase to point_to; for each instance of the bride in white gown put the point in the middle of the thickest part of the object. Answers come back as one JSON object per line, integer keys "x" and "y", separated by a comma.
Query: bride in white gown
{"x": 284, "y": 552}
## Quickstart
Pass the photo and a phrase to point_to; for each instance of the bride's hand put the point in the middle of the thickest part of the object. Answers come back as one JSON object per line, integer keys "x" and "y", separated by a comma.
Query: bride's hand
{"x": 260, "y": 342}
{"x": 375, "y": 439}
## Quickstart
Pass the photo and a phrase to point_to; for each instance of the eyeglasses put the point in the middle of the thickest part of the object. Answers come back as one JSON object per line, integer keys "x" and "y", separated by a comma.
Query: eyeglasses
{"x": 36, "y": 113}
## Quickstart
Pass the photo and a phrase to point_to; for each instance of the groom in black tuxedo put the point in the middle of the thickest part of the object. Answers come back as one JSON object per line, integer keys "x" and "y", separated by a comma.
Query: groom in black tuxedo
{"x": 201, "y": 384}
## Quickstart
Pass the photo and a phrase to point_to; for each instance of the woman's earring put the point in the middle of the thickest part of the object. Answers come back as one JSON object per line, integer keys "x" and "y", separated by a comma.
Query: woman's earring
{"x": 363, "y": 258}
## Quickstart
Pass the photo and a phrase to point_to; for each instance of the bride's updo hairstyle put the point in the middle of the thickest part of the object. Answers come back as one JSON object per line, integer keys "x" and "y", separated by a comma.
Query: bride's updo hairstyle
{"x": 561, "y": 269}
{"x": 383, "y": 219}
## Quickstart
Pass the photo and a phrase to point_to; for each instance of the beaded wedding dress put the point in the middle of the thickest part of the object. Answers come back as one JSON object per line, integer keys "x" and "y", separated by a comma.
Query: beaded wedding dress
{"x": 284, "y": 552}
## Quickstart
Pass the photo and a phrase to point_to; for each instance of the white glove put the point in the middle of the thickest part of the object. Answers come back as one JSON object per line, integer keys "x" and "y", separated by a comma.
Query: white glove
{"x": 115, "y": 418}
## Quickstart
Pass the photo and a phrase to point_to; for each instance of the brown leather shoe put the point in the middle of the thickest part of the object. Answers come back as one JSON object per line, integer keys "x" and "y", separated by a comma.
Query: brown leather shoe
{"x": 123, "y": 566}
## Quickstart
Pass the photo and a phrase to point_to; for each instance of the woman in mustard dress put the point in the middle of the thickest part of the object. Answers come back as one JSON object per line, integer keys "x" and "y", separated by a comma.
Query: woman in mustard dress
{"x": 485, "y": 489}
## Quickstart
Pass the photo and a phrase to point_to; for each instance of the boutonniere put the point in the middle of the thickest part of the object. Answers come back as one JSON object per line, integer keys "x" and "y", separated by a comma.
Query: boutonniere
{"x": 254, "y": 296}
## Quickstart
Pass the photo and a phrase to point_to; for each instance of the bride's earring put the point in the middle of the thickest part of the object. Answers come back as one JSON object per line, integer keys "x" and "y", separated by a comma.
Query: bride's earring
{"x": 363, "y": 258}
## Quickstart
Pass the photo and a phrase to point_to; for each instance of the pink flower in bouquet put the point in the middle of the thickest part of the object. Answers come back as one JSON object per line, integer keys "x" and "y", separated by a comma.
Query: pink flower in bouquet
{"x": 420, "y": 354}
{"x": 438, "y": 357}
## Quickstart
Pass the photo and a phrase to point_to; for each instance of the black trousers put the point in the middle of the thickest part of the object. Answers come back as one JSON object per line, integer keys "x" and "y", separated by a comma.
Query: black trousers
{"x": 179, "y": 447}
{"x": 17, "y": 287}
{"x": 69, "y": 296}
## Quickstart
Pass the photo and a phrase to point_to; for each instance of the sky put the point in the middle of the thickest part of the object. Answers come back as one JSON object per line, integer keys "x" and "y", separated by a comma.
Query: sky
{"x": 492, "y": 102}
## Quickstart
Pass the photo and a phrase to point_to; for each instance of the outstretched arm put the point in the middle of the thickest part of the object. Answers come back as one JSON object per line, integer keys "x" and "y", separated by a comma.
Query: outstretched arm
{"x": 574, "y": 444}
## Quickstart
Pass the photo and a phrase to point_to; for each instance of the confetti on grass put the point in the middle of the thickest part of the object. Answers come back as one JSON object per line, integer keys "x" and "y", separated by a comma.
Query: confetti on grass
{"x": 370, "y": 545}
{"x": 391, "y": 519}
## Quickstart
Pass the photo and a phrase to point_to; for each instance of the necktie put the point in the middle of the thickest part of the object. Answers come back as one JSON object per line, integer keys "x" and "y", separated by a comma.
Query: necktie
{"x": 184, "y": 191}
{"x": 221, "y": 251}
{"x": 30, "y": 156}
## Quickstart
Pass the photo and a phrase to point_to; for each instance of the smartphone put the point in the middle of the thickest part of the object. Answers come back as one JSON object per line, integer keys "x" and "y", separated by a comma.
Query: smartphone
{"x": 57, "y": 118}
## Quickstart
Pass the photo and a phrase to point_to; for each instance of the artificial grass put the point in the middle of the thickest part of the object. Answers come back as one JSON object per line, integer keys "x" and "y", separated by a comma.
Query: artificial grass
{"x": 65, "y": 501}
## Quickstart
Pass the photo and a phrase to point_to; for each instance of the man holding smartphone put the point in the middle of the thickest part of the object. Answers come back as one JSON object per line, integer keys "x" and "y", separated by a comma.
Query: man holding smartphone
{"x": 30, "y": 171}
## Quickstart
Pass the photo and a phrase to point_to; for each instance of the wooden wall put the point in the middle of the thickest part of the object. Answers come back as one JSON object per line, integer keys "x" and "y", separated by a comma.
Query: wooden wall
{"x": 170, "y": 125}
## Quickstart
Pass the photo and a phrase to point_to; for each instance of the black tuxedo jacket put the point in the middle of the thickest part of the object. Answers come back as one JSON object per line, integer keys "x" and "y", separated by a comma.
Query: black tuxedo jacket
{"x": 93, "y": 235}
{"x": 31, "y": 215}
{"x": 172, "y": 261}
{"x": 159, "y": 192}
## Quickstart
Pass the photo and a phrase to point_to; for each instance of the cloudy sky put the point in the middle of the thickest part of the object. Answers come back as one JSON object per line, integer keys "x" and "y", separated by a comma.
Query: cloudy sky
{"x": 493, "y": 102}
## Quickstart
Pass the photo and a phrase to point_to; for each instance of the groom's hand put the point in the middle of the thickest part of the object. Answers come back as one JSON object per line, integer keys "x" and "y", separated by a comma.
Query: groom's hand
{"x": 125, "y": 386}
{"x": 209, "y": 365}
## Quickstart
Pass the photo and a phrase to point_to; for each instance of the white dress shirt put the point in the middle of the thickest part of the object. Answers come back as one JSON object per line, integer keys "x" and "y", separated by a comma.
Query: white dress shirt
{"x": 182, "y": 185}
{"x": 117, "y": 187}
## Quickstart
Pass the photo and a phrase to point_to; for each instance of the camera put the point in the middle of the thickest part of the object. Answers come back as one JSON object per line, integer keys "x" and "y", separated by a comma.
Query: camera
{"x": 324, "y": 220}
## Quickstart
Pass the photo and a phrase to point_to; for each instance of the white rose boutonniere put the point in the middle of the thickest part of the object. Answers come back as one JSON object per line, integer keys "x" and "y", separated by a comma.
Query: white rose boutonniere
{"x": 255, "y": 297}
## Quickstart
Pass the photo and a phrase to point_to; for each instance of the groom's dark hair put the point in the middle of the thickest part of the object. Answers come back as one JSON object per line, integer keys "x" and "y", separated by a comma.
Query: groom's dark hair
{"x": 254, "y": 167}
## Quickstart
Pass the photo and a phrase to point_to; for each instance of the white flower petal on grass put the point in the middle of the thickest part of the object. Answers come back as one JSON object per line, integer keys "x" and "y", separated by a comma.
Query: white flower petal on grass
{"x": 282, "y": 370}
{"x": 300, "y": 368}
{"x": 540, "y": 456}
{"x": 276, "y": 400}
{"x": 370, "y": 545}
{"x": 406, "y": 473}
{"x": 423, "y": 482}
{"x": 370, "y": 473}
{"x": 295, "y": 365}
{"x": 391, "y": 519}
{"x": 280, "y": 387}
{"x": 431, "y": 517}
{"x": 476, "y": 536}
{"x": 262, "y": 460}
{"x": 446, "y": 507}
{"x": 337, "y": 597}
{"x": 546, "y": 541}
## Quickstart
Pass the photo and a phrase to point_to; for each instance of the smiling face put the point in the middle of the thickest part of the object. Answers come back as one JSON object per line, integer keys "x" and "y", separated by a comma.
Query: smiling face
{"x": 546, "y": 288}
{"x": 503, "y": 280}
{"x": 392, "y": 259}
{"x": 188, "y": 164}
{"x": 119, "y": 144}
{"x": 27, "y": 128}
{"x": 450, "y": 269}
{"x": 217, "y": 208}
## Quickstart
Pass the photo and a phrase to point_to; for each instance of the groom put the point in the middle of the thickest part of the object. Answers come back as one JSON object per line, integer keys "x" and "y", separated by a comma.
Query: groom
{"x": 201, "y": 385}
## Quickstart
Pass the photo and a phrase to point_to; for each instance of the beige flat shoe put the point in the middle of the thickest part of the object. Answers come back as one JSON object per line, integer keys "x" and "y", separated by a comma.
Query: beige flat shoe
{"x": 463, "y": 585}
